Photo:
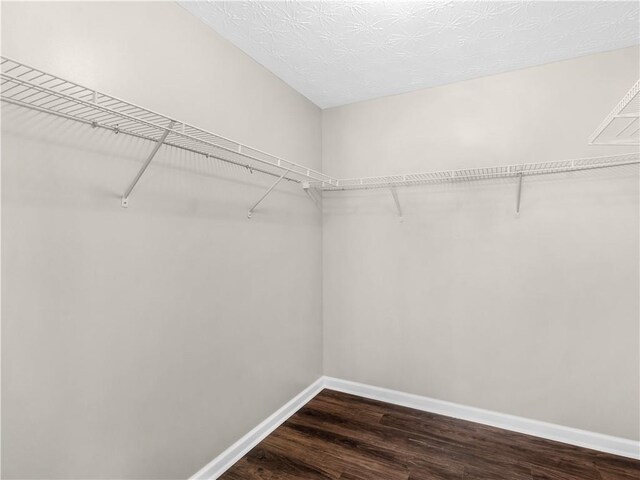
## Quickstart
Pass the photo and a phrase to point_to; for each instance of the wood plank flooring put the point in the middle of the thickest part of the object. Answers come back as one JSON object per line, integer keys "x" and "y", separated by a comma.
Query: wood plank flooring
{"x": 343, "y": 437}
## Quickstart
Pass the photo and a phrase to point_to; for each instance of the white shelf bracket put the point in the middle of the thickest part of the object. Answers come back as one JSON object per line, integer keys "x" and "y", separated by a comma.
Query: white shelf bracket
{"x": 306, "y": 186}
{"x": 275, "y": 184}
{"x": 605, "y": 129}
{"x": 519, "y": 193}
{"x": 125, "y": 197}
{"x": 397, "y": 201}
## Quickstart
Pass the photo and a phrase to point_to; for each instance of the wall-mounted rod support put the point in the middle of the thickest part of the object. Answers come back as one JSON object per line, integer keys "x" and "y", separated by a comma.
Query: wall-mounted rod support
{"x": 306, "y": 186}
{"x": 125, "y": 197}
{"x": 275, "y": 184}
{"x": 519, "y": 193}
{"x": 397, "y": 201}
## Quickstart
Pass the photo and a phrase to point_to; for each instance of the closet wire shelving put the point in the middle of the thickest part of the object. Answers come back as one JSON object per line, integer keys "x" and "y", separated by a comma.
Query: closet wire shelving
{"x": 482, "y": 173}
{"x": 36, "y": 89}
{"x": 33, "y": 88}
{"x": 622, "y": 125}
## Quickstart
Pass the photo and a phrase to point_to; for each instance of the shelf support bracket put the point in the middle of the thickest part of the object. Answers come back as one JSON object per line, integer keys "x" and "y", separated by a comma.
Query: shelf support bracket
{"x": 396, "y": 200}
{"x": 275, "y": 184}
{"x": 307, "y": 189}
{"x": 519, "y": 193}
{"x": 125, "y": 197}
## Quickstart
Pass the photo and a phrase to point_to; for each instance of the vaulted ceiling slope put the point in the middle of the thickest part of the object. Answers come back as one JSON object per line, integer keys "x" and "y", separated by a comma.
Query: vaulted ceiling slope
{"x": 337, "y": 52}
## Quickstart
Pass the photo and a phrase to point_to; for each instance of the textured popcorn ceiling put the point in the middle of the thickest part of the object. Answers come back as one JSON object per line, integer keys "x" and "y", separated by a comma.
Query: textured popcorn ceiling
{"x": 341, "y": 52}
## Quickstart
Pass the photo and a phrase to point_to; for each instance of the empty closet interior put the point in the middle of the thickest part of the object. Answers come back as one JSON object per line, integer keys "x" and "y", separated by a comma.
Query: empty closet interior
{"x": 320, "y": 240}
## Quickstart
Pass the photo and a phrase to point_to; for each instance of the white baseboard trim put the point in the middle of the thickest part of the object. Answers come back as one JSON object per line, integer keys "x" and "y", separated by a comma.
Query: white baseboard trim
{"x": 550, "y": 431}
{"x": 235, "y": 452}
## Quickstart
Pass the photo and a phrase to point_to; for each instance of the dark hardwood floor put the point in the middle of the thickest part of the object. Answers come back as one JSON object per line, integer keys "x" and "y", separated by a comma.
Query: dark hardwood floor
{"x": 340, "y": 436}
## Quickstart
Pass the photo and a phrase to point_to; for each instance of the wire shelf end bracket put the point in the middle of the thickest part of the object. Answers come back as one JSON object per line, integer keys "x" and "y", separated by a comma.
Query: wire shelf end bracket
{"x": 317, "y": 201}
{"x": 622, "y": 125}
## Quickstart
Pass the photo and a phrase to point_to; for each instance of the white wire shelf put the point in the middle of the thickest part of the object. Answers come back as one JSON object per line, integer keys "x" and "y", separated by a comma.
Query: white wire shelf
{"x": 622, "y": 125}
{"x": 33, "y": 88}
{"x": 471, "y": 174}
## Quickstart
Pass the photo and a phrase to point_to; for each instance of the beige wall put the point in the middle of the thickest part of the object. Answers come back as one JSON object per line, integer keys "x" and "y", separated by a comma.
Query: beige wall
{"x": 140, "y": 343}
{"x": 535, "y": 315}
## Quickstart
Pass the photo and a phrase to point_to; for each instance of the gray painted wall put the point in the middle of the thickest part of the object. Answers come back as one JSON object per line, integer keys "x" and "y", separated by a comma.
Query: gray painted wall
{"x": 464, "y": 301}
{"x": 140, "y": 343}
